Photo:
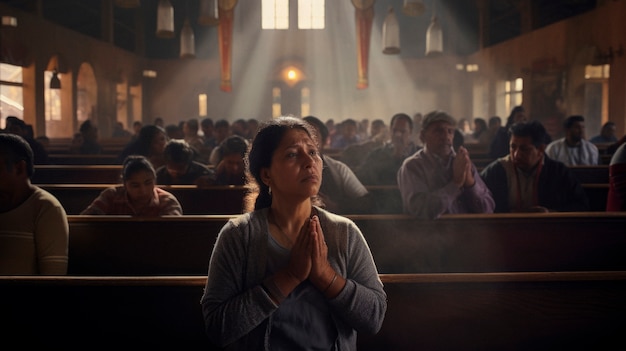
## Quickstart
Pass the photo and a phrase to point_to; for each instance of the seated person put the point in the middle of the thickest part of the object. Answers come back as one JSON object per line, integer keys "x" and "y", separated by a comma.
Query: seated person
{"x": 137, "y": 196}
{"x": 381, "y": 165}
{"x": 353, "y": 155}
{"x": 229, "y": 159}
{"x": 437, "y": 180}
{"x": 149, "y": 143}
{"x": 34, "y": 232}
{"x": 500, "y": 143}
{"x": 527, "y": 180}
{"x": 180, "y": 168}
{"x": 341, "y": 191}
{"x": 573, "y": 149}
{"x": 347, "y": 136}
{"x": 607, "y": 134}
{"x": 17, "y": 126}
{"x": 90, "y": 144}
{"x": 616, "y": 200}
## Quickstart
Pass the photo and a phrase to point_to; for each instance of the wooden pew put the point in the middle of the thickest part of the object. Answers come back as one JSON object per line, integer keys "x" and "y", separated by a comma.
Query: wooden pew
{"x": 389, "y": 200}
{"x": 218, "y": 199}
{"x": 496, "y": 242}
{"x": 106, "y": 245}
{"x": 479, "y": 311}
{"x": 123, "y": 245}
{"x": 591, "y": 174}
{"x": 75, "y": 159}
{"x": 110, "y": 146}
{"x": 77, "y": 174}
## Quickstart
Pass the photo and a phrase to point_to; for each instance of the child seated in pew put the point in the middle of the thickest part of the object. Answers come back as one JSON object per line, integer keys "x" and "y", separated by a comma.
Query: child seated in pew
{"x": 137, "y": 196}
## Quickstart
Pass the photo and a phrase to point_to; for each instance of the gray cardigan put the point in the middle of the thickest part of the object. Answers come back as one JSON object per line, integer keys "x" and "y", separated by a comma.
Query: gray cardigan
{"x": 238, "y": 312}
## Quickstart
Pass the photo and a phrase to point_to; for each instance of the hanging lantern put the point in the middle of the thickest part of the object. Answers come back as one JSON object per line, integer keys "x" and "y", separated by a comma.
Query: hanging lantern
{"x": 209, "y": 14}
{"x": 127, "y": 4}
{"x": 434, "y": 38}
{"x": 413, "y": 8}
{"x": 187, "y": 41}
{"x": 391, "y": 34}
{"x": 165, "y": 19}
{"x": 55, "y": 82}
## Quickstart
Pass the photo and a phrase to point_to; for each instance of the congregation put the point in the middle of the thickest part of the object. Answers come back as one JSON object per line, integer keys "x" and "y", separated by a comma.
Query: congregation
{"x": 415, "y": 166}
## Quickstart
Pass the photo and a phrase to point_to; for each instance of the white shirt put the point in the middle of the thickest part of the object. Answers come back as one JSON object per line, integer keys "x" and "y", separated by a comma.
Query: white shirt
{"x": 585, "y": 154}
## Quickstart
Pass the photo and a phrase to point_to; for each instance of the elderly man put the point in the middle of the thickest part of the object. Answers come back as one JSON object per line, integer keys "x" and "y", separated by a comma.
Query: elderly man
{"x": 437, "y": 180}
{"x": 573, "y": 149}
{"x": 526, "y": 180}
{"x": 34, "y": 232}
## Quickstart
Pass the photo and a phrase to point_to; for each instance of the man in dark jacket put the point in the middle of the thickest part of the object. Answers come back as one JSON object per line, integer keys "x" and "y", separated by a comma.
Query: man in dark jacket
{"x": 526, "y": 180}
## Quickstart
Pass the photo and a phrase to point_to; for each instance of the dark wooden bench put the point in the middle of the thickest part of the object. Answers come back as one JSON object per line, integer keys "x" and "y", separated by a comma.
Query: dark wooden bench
{"x": 389, "y": 201}
{"x": 479, "y": 311}
{"x": 122, "y": 245}
{"x": 497, "y": 242}
{"x": 77, "y": 174}
{"x": 73, "y": 159}
{"x": 108, "y": 245}
{"x": 591, "y": 174}
{"x": 110, "y": 146}
{"x": 218, "y": 199}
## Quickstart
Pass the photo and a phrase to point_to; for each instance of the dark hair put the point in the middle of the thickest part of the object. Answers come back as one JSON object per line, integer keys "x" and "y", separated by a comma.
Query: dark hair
{"x": 172, "y": 129}
{"x": 145, "y": 137}
{"x": 608, "y": 124}
{"x": 533, "y": 129}
{"x": 319, "y": 125}
{"x": 569, "y": 121}
{"x": 192, "y": 124}
{"x": 379, "y": 122}
{"x": 17, "y": 149}
{"x": 178, "y": 151}
{"x": 510, "y": 120}
{"x": 136, "y": 163}
{"x": 402, "y": 116}
{"x": 86, "y": 126}
{"x": 206, "y": 122}
{"x": 479, "y": 122}
{"x": 349, "y": 121}
{"x": 13, "y": 122}
{"x": 265, "y": 142}
{"x": 222, "y": 123}
{"x": 233, "y": 144}
{"x": 495, "y": 119}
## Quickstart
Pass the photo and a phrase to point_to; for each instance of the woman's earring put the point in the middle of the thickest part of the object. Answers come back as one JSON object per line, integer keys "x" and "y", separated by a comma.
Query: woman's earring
{"x": 269, "y": 190}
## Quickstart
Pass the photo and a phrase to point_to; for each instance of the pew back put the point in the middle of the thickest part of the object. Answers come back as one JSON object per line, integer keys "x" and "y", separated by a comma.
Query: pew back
{"x": 106, "y": 245}
{"x": 497, "y": 242}
{"x": 483, "y": 311}
{"x": 77, "y": 174}
{"x": 122, "y": 245}
{"x": 77, "y": 159}
{"x": 217, "y": 199}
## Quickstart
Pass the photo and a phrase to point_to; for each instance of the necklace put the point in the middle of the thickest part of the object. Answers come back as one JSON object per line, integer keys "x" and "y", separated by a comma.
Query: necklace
{"x": 280, "y": 230}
